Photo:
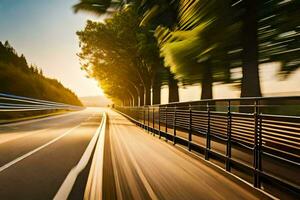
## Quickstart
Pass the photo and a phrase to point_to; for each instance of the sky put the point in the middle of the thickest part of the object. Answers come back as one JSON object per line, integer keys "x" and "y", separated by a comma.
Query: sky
{"x": 45, "y": 32}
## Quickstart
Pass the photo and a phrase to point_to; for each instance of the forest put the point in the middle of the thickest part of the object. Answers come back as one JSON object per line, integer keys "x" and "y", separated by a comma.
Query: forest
{"x": 20, "y": 78}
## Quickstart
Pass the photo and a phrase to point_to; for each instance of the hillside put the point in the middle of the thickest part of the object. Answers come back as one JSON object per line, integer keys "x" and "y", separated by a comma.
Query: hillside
{"x": 95, "y": 101}
{"x": 19, "y": 78}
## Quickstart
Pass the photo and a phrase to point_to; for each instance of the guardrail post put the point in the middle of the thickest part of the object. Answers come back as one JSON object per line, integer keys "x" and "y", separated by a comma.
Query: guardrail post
{"x": 148, "y": 119}
{"x": 166, "y": 114}
{"x": 256, "y": 149}
{"x": 190, "y": 127}
{"x": 208, "y": 132}
{"x": 228, "y": 144}
{"x": 153, "y": 121}
{"x": 144, "y": 117}
{"x": 159, "y": 133}
{"x": 174, "y": 127}
{"x": 259, "y": 158}
{"x": 141, "y": 111}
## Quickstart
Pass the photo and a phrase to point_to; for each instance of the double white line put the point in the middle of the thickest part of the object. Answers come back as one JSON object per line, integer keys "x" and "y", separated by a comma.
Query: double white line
{"x": 93, "y": 188}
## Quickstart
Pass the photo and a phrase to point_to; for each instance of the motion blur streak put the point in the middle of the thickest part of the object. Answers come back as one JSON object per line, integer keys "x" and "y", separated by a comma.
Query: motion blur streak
{"x": 39, "y": 175}
{"x": 147, "y": 168}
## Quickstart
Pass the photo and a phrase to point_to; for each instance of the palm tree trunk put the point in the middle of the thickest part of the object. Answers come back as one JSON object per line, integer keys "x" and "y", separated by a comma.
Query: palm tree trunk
{"x": 173, "y": 89}
{"x": 250, "y": 81}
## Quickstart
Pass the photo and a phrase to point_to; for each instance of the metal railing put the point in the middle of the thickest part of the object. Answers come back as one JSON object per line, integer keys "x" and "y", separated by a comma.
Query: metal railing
{"x": 257, "y": 139}
{"x": 14, "y": 103}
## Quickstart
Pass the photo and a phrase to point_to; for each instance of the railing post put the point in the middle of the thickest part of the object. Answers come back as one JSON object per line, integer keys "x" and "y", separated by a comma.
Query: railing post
{"x": 259, "y": 149}
{"x": 153, "y": 121}
{"x": 148, "y": 119}
{"x": 159, "y": 133}
{"x": 228, "y": 144}
{"x": 144, "y": 117}
{"x": 140, "y": 117}
{"x": 190, "y": 127}
{"x": 166, "y": 114}
{"x": 208, "y": 133}
{"x": 256, "y": 181}
{"x": 174, "y": 127}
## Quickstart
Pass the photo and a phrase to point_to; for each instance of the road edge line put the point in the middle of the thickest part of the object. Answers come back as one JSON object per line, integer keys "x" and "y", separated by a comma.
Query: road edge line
{"x": 93, "y": 188}
{"x": 66, "y": 187}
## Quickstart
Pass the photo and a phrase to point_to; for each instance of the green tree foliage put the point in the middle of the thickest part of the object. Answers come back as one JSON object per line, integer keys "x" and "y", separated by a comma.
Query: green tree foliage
{"x": 146, "y": 42}
{"x": 278, "y": 34}
{"x": 121, "y": 53}
{"x": 212, "y": 37}
{"x": 195, "y": 49}
{"x": 202, "y": 41}
{"x": 18, "y": 78}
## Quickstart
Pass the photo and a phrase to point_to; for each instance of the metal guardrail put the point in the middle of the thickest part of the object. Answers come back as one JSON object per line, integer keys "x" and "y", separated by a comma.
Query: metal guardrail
{"x": 249, "y": 137}
{"x": 14, "y": 103}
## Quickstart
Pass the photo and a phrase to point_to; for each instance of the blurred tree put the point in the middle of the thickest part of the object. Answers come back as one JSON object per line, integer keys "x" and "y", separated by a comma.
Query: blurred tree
{"x": 116, "y": 48}
{"x": 189, "y": 48}
{"x": 278, "y": 34}
{"x": 231, "y": 34}
{"x": 146, "y": 41}
{"x": 269, "y": 35}
{"x": 250, "y": 86}
{"x": 201, "y": 41}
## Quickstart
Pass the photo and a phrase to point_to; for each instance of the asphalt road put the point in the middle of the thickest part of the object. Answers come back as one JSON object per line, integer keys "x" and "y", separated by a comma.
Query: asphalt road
{"x": 144, "y": 167}
{"x": 36, "y": 156}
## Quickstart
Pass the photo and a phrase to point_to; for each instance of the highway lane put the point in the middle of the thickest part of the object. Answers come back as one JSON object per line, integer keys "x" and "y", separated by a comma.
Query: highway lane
{"x": 145, "y": 167}
{"x": 36, "y": 156}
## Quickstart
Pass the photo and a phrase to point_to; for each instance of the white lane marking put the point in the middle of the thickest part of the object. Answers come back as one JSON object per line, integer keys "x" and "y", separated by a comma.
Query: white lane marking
{"x": 29, "y": 133}
{"x": 36, "y": 150}
{"x": 66, "y": 188}
{"x": 9, "y": 138}
{"x": 22, "y": 135}
{"x": 93, "y": 189}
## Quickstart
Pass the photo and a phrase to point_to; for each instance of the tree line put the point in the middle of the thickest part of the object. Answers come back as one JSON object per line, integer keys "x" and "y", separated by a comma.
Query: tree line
{"x": 19, "y": 78}
{"x": 144, "y": 45}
